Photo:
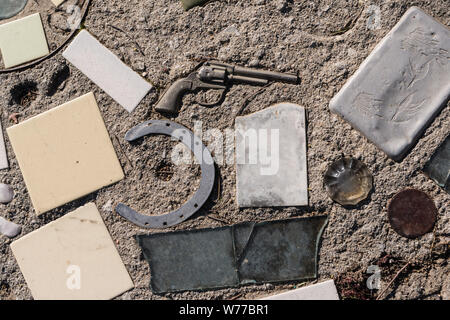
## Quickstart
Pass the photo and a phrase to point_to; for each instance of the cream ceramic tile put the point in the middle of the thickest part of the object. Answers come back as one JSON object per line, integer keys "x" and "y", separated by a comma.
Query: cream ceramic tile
{"x": 73, "y": 257}
{"x": 23, "y": 40}
{"x": 57, "y": 2}
{"x": 65, "y": 153}
{"x": 3, "y": 155}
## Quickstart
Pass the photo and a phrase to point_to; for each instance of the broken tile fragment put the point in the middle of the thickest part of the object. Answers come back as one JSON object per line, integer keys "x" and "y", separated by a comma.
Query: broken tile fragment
{"x": 4, "y": 164}
{"x": 322, "y": 291}
{"x": 438, "y": 167}
{"x": 9, "y": 229}
{"x": 23, "y": 40}
{"x": 65, "y": 153}
{"x": 107, "y": 71}
{"x": 250, "y": 252}
{"x": 271, "y": 168}
{"x": 57, "y": 2}
{"x": 9, "y": 8}
{"x": 6, "y": 193}
{"x": 72, "y": 258}
{"x": 401, "y": 86}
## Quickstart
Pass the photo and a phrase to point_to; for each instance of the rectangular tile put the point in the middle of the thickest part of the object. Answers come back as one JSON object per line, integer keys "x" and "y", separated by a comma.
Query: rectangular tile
{"x": 322, "y": 291}
{"x": 65, "y": 153}
{"x": 401, "y": 86}
{"x": 23, "y": 40}
{"x": 107, "y": 71}
{"x": 250, "y": 252}
{"x": 57, "y": 2}
{"x": 271, "y": 167}
{"x": 72, "y": 258}
{"x": 4, "y": 164}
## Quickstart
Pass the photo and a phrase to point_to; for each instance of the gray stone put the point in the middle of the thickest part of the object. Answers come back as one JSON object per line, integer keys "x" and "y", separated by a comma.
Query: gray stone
{"x": 271, "y": 167}
{"x": 9, "y": 8}
{"x": 401, "y": 86}
{"x": 8, "y": 228}
{"x": 6, "y": 193}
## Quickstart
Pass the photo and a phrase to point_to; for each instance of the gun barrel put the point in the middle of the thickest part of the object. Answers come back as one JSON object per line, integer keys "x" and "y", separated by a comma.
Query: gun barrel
{"x": 259, "y": 74}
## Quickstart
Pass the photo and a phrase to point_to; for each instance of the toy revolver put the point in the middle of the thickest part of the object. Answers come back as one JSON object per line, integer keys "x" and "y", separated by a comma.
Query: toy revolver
{"x": 220, "y": 76}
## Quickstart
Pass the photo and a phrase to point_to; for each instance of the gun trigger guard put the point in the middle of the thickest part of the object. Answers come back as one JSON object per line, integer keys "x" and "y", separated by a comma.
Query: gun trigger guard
{"x": 213, "y": 104}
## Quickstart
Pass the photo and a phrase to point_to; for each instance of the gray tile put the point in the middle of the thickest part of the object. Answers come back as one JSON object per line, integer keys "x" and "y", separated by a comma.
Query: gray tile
{"x": 9, "y": 8}
{"x": 438, "y": 167}
{"x": 249, "y": 252}
{"x": 401, "y": 86}
{"x": 272, "y": 172}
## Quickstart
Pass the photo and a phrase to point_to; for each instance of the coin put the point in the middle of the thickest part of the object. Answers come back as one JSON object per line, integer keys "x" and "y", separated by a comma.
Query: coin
{"x": 412, "y": 213}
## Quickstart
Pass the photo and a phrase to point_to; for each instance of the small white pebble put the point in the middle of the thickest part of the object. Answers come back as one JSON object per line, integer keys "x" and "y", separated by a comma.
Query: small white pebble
{"x": 6, "y": 193}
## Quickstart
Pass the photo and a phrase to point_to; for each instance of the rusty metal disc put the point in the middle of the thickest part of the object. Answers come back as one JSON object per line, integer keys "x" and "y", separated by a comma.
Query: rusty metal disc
{"x": 412, "y": 213}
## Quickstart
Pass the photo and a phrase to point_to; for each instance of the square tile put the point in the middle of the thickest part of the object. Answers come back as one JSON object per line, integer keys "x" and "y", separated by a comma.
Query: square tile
{"x": 271, "y": 168}
{"x": 401, "y": 86}
{"x": 23, "y": 40}
{"x": 107, "y": 71}
{"x": 72, "y": 258}
{"x": 65, "y": 153}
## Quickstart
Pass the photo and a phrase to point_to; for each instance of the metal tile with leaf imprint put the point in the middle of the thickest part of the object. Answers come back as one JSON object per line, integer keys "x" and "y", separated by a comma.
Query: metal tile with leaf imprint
{"x": 401, "y": 86}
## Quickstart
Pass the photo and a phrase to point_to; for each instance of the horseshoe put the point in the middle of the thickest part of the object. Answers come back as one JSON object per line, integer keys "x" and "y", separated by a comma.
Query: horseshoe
{"x": 202, "y": 155}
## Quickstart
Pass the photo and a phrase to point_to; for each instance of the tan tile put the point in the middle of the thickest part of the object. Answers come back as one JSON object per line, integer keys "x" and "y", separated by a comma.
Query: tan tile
{"x": 57, "y": 2}
{"x": 73, "y": 257}
{"x": 23, "y": 40}
{"x": 65, "y": 153}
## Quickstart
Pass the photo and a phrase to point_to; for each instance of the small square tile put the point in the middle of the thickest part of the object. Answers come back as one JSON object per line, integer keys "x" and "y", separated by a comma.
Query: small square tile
{"x": 23, "y": 40}
{"x": 321, "y": 291}
{"x": 438, "y": 167}
{"x": 401, "y": 86}
{"x": 107, "y": 71}
{"x": 65, "y": 153}
{"x": 72, "y": 258}
{"x": 271, "y": 168}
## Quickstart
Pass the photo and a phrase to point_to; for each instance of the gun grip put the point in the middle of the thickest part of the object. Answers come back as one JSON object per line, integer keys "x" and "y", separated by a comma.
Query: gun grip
{"x": 171, "y": 98}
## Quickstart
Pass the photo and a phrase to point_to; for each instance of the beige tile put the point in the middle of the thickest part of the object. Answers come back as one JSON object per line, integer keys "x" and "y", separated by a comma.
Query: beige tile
{"x": 23, "y": 40}
{"x": 73, "y": 257}
{"x": 57, "y": 2}
{"x": 65, "y": 153}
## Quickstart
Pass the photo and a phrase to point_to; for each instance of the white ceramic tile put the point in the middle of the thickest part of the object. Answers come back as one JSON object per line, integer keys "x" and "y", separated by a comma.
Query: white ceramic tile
{"x": 72, "y": 258}
{"x": 23, "y": 40}
{"x": 57, "y": 2}
{"x": 321, "y": 291}
{"x": 65, "y": 153}
{"x": 3, "y": 155}
{"x": 107, "y": 71}
{"x": 271, "y": 167}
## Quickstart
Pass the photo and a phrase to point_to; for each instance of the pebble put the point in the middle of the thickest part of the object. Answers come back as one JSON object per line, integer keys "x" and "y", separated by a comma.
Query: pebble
{"x": 6, "y": 193}
{"x": 8, "y": 228}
